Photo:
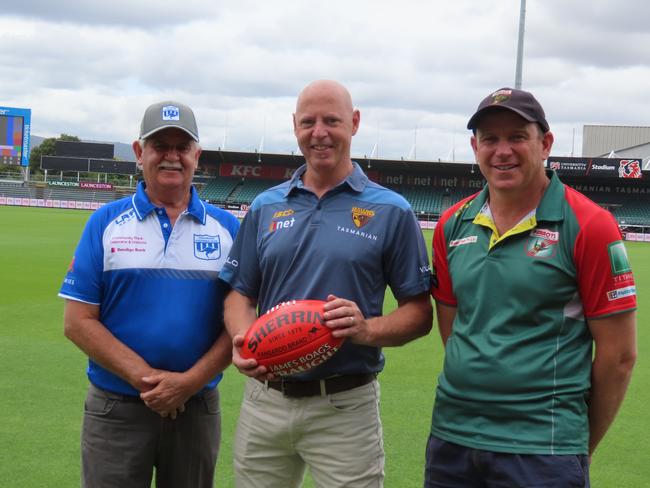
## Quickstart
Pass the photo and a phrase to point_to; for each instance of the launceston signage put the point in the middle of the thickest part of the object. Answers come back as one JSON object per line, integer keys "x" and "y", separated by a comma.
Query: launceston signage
{"x": 81, "y": 184}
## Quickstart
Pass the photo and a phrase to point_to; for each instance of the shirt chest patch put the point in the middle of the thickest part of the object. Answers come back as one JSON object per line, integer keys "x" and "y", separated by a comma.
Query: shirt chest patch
{"x": 361, "y": 216}
{"x": 542, "y": 243}
{"x": 207, "y": 247}
{"x": 282, "y": 219}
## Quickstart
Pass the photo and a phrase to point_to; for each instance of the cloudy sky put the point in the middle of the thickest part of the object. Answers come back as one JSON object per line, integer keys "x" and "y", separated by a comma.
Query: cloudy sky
{"x": 416, "y": 68}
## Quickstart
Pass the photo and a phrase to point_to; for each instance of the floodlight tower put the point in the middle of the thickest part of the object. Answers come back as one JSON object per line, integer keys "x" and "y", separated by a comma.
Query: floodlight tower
{"x": 520, "y": 43}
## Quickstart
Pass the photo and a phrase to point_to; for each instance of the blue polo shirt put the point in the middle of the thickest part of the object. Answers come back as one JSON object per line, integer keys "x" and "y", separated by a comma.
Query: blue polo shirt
{"x": 353, "y": 242}
{"x": 156, "y": 285}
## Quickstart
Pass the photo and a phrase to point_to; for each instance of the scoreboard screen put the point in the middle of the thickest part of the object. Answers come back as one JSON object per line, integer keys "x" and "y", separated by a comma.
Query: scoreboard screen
{"x": 14, "y": 136}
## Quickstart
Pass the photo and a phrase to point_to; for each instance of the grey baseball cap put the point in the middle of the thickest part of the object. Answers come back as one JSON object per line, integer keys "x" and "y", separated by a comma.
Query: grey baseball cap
{"x": 163, "y": 115}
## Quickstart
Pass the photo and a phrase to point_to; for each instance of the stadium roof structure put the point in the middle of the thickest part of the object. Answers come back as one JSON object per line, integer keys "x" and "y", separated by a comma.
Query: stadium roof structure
{"x": 617, "y": 141}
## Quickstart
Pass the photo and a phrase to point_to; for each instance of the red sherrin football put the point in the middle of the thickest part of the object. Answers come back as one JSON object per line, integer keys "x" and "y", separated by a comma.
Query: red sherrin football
{"x": 291, "y": 338}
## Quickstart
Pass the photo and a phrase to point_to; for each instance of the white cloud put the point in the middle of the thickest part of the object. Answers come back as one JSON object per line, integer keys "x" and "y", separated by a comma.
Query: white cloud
{"x": 416, "y": 69}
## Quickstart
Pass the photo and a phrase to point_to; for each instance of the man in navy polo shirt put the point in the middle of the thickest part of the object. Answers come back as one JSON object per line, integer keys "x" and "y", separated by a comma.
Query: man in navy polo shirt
{"x": 330, "y": 234}
{"x": 144, "y": 302}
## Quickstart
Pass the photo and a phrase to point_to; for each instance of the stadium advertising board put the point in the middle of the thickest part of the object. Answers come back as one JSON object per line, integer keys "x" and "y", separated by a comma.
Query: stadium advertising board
{"x": 596, "y": 167}
{"x": 81, "y": 184}
{"x": 398, "y": 179}
{"x": 15, "y": 124}
{"x": 258, "y": 171}
{"x": 616, "y": 189}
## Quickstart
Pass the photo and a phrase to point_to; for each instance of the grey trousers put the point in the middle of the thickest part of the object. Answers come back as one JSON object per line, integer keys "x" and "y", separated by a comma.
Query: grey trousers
{"x": 123, "y": 441}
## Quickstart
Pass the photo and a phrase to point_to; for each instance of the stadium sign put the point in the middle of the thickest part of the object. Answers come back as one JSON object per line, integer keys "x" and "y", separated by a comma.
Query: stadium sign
{"x": 67, "y": 184}
{"x": 96, "y": 186}
{"x": 81, "y": 184}
{"x": 596, "y": 167}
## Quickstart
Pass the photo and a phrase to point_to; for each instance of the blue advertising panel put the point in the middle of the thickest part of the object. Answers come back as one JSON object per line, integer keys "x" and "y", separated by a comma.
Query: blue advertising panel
{"x": 15, "y": 124}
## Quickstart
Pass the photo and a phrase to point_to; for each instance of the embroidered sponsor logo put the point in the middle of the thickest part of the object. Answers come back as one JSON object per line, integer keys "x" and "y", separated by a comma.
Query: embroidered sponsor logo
{"x": 283, "y": 213}
{"x": 542, "y": 243}
{"x": 356, "y": 232}
{"x": 361, "y": 216}
{"x": 125, "y": 217}
{"x": 619, "y": 293}
{"x": 128, "y": 244}
{"x": 207, "y": 247}
{"x": 463, "y": 241}
{"x": 623, "y": 278}
{"x": 171, "y": 112}
{"x": 551, "y": 235}
{"x": 618, "y": 258}
{"x": 281, "y": 224}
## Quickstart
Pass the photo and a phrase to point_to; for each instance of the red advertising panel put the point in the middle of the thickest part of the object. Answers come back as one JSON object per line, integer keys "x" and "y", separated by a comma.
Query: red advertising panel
{"x": 257, "y": 171}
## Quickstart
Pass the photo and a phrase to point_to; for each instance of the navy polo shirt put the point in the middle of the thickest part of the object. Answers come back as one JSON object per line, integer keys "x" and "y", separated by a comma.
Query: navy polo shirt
{"x": 353, "y": 242}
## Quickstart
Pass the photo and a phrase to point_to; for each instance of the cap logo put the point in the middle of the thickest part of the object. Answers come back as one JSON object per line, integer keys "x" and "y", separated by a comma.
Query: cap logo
{"x": 501, "y": 96}
{"x": 171, "y": 112}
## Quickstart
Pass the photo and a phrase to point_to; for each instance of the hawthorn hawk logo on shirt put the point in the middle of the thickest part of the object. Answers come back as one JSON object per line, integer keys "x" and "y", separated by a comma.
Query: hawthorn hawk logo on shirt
{"x": 207, "y": 247}
{"x": 361, "y": 216}
{"x": 542, "y": 243}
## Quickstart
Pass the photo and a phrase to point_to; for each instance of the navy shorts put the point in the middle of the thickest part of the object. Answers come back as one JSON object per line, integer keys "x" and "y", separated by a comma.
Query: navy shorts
{"x": 449, "y": 465}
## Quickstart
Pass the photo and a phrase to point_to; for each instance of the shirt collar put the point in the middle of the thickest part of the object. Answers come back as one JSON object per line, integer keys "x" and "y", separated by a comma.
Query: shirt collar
{"x": 357, "y": 180}
{"x": 144, "y": 207}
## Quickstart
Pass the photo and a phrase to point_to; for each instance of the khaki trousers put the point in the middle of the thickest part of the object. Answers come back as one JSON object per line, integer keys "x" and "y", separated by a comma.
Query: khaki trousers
{"x": 339, "y": 437}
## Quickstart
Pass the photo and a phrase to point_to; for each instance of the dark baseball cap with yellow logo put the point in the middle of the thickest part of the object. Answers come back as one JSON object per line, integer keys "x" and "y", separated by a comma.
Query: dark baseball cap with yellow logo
{"x": 521, "y": 102}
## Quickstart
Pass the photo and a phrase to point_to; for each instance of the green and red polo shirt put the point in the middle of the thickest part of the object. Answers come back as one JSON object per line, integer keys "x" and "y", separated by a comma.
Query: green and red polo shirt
{"x": 516, "y": 376}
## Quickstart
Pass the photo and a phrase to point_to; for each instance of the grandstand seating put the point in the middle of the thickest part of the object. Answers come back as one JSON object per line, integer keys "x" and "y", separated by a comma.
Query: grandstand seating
{"x": 628, "y": 209}
{"x": 632, "y": 212}
{"x": 423, "y": 199}
{"x": 247, "y": 190}
{"x": 54, "y": 193}
{"x": 15, "y": 190}
{"x": 218, "y": 190}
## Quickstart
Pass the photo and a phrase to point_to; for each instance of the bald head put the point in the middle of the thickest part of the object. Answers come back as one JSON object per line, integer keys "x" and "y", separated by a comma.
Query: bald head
{"x": 326, "y": 90}
{"x": 324, "y": 124}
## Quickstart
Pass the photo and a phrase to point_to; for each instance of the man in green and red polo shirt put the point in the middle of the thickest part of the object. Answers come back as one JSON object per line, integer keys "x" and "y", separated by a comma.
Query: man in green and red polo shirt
{"x": 535, "y": 302}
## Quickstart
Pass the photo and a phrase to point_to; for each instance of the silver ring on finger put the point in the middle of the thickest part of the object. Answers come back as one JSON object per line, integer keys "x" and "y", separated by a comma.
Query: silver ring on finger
{"x": 351, "y": 319}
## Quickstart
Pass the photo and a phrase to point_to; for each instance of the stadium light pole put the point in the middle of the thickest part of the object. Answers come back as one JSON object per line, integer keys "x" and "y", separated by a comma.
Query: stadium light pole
{"x": 520, "y": 43}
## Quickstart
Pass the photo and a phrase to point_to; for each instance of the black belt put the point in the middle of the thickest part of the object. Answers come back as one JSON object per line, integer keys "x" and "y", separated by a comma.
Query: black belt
{"x": 329, "y": 386}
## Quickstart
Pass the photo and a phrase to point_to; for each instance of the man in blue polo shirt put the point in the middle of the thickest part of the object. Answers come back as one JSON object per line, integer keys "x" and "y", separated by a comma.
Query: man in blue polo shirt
{"x": 144, "y": 302}
{"x": 330, "y": 234}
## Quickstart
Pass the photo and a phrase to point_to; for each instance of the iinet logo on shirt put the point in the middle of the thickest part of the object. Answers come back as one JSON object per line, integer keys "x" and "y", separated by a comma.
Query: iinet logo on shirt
{"x": 281, "y": 224}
